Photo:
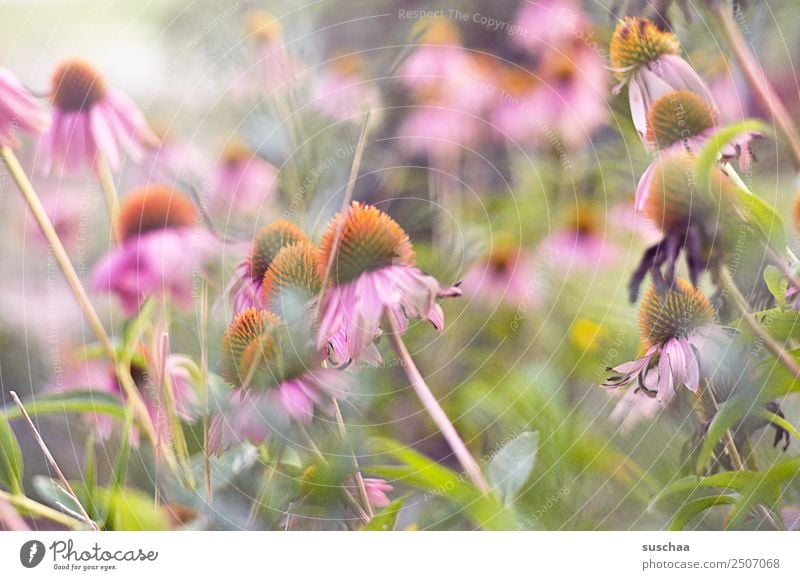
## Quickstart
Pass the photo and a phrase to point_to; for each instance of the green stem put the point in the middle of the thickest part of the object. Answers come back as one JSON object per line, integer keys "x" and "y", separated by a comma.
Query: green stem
{"x": 35, "y": 508}
{"x": 770, "y": 343}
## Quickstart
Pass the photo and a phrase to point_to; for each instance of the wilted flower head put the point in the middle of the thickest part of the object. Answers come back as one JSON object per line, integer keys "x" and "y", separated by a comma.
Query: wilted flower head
{"x": 271, "y": 239}
{"x": 19, "y": 110}
{"x": 673, "y": 325}
{"x": 274, "y": 377}
{"x": 646, "y": 58}
{"x": 691, "y": 215}
{"x": 159, "y": 237}
{"x": 373, "y": 273}
{"x": 92, "y": 119}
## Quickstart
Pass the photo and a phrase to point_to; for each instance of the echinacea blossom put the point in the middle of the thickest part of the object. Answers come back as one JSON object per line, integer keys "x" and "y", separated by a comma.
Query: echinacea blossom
{"x": 674, "y": 325}
{"x": 92, "y": 120}
{"x": 691, "y": 216}
{"x": 19, "y": 110}
{"x": 647, "y": 60}
{"x": 546, "y": 24}
{"x": 451, "y": 89}
{"x": 373, "y": 275}
{"x": 281, "y": 70}
{"x": 683, "y": 119}
{"x": 582, "y": 243}
{"x": 245, "y": 289}
{"x": 161, "y": 247}
{"x": 274, "y": 383}
{"x": 505, "y": 274}
{"x": 292, "y": 281}
{"x": 243, "y": 182}
{"x": 376, "y": 491}
{"x": 99, "y": 376}
{"x": 565, "y": 102}
{"x": 639, "y": 404}
{"x": 342, "y": 92}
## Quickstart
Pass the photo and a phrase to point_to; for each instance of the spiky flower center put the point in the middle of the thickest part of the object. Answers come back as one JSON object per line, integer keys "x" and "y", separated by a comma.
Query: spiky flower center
{"x": 268, "y": 242}
{"x": 249, "y": 347}
{"x": 517, "y": 81}
{"x": 296, "y": 269}
{"x": 154, "y": 207}
{"x": 77, "y": 86}
{"x": 369, "y": 240}
{"x": 638, "y": 41}
{"x": 502, "y": 257}
{"x": 678, "y": 116}
{"x": 675, "y": 313}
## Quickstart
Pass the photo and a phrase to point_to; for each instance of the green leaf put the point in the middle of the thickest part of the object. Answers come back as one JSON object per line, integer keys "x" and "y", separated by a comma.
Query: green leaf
{"x": 764, "y": 489}
{"x": 225, "y": 468}
{"x": 386, "y": 520}
{"x": 712, "y": 149}
{"x": 777, "y": 284}
{"x": 691, "y": 509}
{"x": 11, "y": 464}
{"x": 69, "y": 402}
{"x": 51, "y": 492}
{"x": 511, "y": 466}
{"x": 686, "y": 486}
{"x": 729, "y": 413}
{"x": 485, "y": 511}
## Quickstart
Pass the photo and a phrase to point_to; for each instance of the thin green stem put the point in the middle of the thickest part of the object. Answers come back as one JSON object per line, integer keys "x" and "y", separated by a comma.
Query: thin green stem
{"x": 435, "y": 410}
{"x": 110, "y": 191}
{"x": 35, "y": 508}
{"x": 51, "y": 460}
{"x": 770, "y": 343}
{"x": 360, "y": 486}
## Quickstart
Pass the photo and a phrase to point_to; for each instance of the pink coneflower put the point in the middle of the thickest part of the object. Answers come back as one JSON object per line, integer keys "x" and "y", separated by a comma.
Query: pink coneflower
{"x": 281, "y": 70}
{"x": 646, "y": 59}
{"x": 674, "y": 326}
{"x": 19, "y": 111}
{"x": 684, "y": 120}
{"x": 161, "y": 245}
{"x": 638, "y": 404}
{"x": 243, "y": 182}
{"x": 245, "y": 289}
{"x": 373, "y": 275}
{"x": 451, "y": 89}
{"x": 274, "y": 384}
{"x": 582, "y": 243}
{"x": 376, "y": 492}
{"x": 343, "y": 94}
{"x": 546, "y": 24}
{"x": 505, "y": 274}
{"x": 97, "y": 375}
{"x": 694, "y": 218}
{"x": 92, "y": 119}
{"x": 564, "y": 100}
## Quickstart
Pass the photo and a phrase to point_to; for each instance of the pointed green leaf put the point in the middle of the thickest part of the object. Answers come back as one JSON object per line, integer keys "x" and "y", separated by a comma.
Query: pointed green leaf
{"x": 11, "y": 465}
{"x": 511, "y": 466}
{"x": 386, "y": 520}
{"x": 69, "y": 402}
{"x": 692, "y": 509}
